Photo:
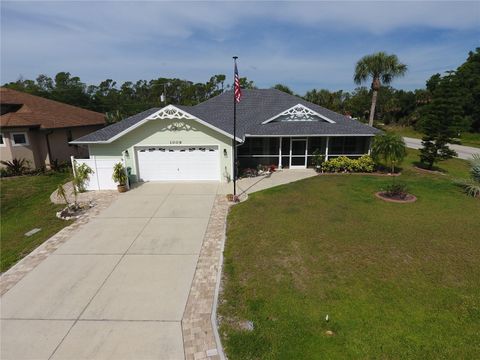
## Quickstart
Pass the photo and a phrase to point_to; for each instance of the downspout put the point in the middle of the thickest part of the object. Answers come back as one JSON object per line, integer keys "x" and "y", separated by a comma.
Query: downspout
{"x": 49, "y": 151}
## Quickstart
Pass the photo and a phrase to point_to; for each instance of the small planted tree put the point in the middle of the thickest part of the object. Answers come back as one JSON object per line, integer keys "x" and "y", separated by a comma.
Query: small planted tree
{"x": 80, "y": 176}
{"x": 62, "y": 194}
{"x": 390, "y": 148}
{"x": 441, "y": 121}
{"x": 120, "y": 176}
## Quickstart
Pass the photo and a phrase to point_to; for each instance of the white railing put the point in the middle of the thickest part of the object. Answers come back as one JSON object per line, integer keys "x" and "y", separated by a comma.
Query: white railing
{"x": 101, "y": 179}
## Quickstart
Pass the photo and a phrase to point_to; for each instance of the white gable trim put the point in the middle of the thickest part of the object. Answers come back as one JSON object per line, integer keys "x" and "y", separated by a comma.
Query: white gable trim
{"x": 169, "y": 112}
{"x": 299, "y": 109}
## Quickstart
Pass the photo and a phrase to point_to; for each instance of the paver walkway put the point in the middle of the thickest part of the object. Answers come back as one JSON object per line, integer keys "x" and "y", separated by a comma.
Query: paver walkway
{"x": 118, "y": 288}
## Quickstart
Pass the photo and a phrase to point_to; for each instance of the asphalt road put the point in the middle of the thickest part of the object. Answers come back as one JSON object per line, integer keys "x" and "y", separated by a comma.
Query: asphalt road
{"x": 463, "y": 152}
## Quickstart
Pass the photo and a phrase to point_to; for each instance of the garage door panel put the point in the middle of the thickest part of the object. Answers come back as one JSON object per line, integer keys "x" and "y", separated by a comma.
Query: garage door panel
{"x": 179, "y": 163}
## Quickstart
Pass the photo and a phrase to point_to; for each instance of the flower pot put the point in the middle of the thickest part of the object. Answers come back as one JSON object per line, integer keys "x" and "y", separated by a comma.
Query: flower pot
{"x": 230, "y": 197}
{"x": 122, "y": 188}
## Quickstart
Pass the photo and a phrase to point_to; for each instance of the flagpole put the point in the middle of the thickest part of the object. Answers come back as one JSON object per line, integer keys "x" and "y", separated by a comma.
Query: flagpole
{"x": 234, "y": 134}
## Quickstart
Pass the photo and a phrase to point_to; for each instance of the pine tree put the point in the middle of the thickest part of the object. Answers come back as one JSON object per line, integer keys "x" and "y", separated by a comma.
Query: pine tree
{"x": 442, "y": 120}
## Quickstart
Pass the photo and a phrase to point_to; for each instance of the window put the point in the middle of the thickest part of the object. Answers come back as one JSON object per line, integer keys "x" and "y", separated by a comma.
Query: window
{"x": 19, "y": 139}
{"x": 2, "y": 142}
{"x": 346, "y": 145}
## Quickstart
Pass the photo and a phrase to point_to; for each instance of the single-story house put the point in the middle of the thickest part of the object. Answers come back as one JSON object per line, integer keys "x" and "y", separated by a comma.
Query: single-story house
{"x": 39, "y": 130}
{"x": 196, "y": 142}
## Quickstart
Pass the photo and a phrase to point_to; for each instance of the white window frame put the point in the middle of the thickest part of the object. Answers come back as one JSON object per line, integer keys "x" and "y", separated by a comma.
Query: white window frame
{"x": 4, "y": 140}
{"x": 27, "y": 143}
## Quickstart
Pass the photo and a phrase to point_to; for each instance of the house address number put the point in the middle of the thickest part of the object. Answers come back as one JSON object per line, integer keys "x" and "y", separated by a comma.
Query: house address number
{"x": 175, "y": 141}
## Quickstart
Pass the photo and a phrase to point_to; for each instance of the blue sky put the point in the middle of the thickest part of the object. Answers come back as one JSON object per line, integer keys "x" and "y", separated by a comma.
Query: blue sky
{"x": 304, "y": 45}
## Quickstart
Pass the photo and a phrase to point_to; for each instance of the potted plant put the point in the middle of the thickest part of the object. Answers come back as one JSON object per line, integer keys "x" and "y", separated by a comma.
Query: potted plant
{"x": 120, "y": 177}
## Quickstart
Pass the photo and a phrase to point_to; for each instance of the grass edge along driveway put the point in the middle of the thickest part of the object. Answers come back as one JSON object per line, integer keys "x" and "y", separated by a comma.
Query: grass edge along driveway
{"x": 397, "y": 280}
{"x": 25, "y": 205}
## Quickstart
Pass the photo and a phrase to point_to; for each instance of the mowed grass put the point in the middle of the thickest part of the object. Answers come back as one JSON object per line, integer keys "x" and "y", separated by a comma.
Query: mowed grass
{"x": 398, "y": 281}
{"x": 25, "y": 205}
{"x": 466, "y": 139}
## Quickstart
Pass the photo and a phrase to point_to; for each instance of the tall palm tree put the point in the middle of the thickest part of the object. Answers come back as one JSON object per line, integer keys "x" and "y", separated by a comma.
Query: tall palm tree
{"x": 382, "y": 68}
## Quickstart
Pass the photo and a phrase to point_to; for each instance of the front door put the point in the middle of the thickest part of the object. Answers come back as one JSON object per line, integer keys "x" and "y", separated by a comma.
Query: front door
{"x": 298, "y": 153}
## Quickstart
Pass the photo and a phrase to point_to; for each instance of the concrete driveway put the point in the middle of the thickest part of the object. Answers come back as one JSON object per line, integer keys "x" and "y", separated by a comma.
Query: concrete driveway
{"x": 463, "y": 152}
{"x": 118, "y": 288}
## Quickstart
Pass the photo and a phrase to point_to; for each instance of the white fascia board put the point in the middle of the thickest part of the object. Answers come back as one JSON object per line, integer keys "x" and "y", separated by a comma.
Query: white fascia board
{"x": 74, "y": 142}
{"x": 302, "y": 106}
{"x": 156, "y": 116}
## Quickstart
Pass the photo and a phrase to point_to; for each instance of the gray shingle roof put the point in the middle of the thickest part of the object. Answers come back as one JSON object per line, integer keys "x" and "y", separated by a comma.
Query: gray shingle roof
{"x": 255, "y": 107}
{"x": 110, "y": 131}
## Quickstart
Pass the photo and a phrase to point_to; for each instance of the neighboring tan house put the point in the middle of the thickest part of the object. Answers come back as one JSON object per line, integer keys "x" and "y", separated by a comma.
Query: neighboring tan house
{"x": 39, "y": 130}
{"x": 196, "y": 142}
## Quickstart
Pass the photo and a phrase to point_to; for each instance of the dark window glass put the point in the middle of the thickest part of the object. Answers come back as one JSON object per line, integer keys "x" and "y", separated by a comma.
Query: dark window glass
{"x": 285, "y": 146}
{"x": 315, "y": 143}
{"x": 259, "y": 146}
{"x": 1, "y": 139}
{"x": 298, "y": 161}
{"x": 336, "y": 145}
{"x": 349, "y": 145}
{"x": 19, "y": 139}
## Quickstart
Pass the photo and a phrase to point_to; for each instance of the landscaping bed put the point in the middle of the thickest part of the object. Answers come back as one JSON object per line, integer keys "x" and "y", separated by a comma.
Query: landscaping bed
{"x": 395, "y": 281}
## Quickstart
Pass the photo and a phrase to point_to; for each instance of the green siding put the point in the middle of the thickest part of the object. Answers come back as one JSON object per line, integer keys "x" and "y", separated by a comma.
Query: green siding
{"x": 167, "y": 133}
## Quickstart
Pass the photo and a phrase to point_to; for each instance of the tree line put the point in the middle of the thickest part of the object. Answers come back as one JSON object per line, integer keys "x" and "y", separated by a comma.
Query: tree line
{"x": 459, "y": 88}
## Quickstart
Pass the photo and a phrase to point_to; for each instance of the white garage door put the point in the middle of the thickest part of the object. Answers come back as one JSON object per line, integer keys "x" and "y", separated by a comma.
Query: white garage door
{"x": 178, "y": 163}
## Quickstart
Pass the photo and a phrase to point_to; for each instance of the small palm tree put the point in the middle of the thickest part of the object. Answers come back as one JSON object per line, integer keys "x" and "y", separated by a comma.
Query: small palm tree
{"x": 62, "y": 194}
{"x": 472, "y": 185}
{"x": 16, "y": 166}
{"x": 382, "y": 68}
{"x": 390, "y": 148}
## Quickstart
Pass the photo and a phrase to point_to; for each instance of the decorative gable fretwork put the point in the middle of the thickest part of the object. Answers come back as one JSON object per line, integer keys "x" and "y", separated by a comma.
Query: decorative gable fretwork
{"x": 171, "y": 112}
{"x": 298, "y": 112}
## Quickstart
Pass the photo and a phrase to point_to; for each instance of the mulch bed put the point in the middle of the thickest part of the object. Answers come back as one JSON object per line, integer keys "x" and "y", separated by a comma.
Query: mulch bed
{"x": 408, "y": 199}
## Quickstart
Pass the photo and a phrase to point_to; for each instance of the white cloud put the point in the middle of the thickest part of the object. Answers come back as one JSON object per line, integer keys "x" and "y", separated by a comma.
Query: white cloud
{"x": 132, "y": 40}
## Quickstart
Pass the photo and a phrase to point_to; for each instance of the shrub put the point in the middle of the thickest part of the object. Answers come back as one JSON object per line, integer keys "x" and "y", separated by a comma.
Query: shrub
{"x": 366, "y": 163}
{"x": 345, "y": 164}
{"x": 16, "y": 167}
{"x": 397, "y": 190}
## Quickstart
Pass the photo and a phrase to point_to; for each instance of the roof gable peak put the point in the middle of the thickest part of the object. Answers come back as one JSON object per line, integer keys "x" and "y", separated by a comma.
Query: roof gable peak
{"x": 171, "y": 112}
{"x": 299, "y": 112}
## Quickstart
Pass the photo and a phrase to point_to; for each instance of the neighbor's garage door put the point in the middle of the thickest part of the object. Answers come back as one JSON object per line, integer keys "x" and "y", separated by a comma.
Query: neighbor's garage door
{"x": 178, "y": 163}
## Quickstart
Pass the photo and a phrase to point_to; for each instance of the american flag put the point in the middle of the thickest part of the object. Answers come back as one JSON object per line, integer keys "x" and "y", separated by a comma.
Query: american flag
{"x": 237, "y": 90}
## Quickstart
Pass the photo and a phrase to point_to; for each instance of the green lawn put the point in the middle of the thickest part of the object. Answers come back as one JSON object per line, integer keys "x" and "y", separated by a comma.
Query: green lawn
{"x": 398, "y": 281}
{"x": 467, "y": 139}
{"x": 25, "y": 205}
